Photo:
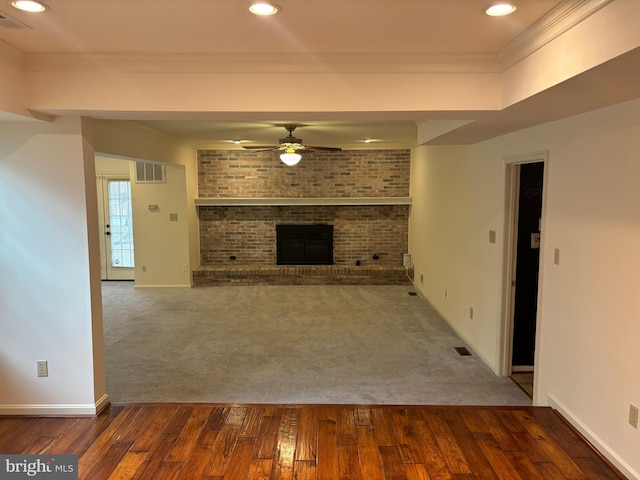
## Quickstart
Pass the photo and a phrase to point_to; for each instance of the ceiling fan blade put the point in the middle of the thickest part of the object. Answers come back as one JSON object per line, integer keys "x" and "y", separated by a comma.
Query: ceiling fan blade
{"x": 326, "y": 149}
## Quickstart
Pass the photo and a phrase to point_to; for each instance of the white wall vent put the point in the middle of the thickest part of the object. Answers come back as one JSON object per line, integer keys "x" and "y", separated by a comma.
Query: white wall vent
{"x": 148, "y": 172}
{"x": 7, "y": 22}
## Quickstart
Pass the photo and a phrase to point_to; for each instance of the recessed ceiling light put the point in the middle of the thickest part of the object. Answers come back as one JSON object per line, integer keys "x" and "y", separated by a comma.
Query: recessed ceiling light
{"x": 263, "y": 8}
{"x": 29, "y": 6}
{"x": 500, "y": 9}
{"x": 368, "y": 140}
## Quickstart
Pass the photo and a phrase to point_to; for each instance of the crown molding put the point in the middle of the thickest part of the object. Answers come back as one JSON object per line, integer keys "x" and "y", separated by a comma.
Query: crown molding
{"x": 556, "y": 22}
{"x": 249, "y": 63}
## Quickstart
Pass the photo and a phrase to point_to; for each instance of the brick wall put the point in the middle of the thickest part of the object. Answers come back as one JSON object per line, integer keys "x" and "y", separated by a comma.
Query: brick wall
{"x": 249, "y": 233}
{"x": 351, "y": 173}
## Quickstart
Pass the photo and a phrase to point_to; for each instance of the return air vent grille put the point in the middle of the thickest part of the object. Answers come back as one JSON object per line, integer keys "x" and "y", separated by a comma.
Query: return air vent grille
{"x": 7, "y": 22}
{"x": 463, "y": 351}
{"x": 148, "y": 172}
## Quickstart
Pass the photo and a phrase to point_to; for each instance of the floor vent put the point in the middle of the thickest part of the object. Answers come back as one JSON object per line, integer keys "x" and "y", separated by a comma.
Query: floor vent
{"x": 462, "y": 351}
{"x": 413, "y": 294}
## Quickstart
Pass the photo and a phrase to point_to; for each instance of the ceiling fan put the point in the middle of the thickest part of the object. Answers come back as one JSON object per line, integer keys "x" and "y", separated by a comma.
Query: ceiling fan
{"x": 290, "y": 147}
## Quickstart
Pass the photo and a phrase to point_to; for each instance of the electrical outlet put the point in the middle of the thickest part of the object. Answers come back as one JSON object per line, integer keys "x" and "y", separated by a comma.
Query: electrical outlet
{"x": 43, "y": 368}
{"x": 445, "y": 293}
{"x": 556, "y": 256}
{"x": 471, "y": 313}
{"x": 421, "y": 277}
{"x": 633, "y": 415}
{"x": 144, "y": 268}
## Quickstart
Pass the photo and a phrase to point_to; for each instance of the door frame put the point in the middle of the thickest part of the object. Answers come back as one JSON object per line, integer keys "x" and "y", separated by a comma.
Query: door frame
{"x": 102, "y": 181}
{"x": 505, "y": 340}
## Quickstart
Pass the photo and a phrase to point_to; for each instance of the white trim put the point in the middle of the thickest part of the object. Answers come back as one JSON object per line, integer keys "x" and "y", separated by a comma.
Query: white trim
{"x": 597, "y": 442}
{"x": 253, "y": 63}
{"x": 57, "y": 410}
{"x": 558, "y": 21}
{"x": 505, "y": 329}
{"x": 312, "y": 201}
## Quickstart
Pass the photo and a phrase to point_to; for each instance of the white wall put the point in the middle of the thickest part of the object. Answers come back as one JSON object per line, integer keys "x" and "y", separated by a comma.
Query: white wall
{"x": 161, "y": 246}
{"x": 50, "y": 300}
{"x": 587, "y": 350}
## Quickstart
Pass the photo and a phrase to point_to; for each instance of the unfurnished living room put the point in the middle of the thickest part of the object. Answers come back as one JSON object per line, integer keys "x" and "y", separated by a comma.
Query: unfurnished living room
{"x": 320, "y": 241}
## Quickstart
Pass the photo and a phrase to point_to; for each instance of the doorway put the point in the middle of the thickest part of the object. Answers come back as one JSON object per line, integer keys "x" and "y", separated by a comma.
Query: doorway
{"x": 526, "y": 207}
{"x": 116, "y": 228}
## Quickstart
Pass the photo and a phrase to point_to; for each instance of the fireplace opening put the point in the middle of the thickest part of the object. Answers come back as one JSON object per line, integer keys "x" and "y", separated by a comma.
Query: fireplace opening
{"x": 304, "y": 244}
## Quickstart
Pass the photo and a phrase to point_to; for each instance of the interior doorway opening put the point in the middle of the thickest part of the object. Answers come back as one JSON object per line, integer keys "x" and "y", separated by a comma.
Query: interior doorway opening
{"x": 524, "y": 228}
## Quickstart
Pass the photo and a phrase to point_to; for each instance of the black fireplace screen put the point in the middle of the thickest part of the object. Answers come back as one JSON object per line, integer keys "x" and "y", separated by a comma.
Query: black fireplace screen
{"x": 304, "y": 244}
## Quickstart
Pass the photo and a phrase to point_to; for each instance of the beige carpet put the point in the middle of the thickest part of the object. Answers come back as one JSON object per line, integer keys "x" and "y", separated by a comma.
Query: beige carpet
{"x": 289, "y": 345}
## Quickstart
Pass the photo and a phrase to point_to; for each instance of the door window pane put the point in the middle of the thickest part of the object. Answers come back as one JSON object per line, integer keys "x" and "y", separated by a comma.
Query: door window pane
{"x": 121, "y": 224}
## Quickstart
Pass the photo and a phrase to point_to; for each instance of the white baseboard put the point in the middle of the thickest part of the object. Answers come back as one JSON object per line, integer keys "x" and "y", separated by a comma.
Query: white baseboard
{"x": 57, "y": 410}
{"x": 596, "y": 441}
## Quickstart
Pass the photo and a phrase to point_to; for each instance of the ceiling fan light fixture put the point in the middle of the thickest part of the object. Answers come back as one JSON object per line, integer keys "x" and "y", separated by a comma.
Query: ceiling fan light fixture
{"x": 264, "y": 9}
{"x": 500, "y": 9}
{"x": 290, "y": 157}
{"x": 30, "y": 6}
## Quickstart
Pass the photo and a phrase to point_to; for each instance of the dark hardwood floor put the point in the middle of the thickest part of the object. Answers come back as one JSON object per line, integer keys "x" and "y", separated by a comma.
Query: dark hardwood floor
{"x": 236, "y": 442}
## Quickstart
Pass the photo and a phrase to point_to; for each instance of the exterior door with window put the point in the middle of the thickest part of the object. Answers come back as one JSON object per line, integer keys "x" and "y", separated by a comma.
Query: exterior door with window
{"x": 116, "y": 228}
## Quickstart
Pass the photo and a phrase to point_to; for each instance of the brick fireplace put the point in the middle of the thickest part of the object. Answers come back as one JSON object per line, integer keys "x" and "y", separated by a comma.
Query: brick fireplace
{"x": 243, "y": 196}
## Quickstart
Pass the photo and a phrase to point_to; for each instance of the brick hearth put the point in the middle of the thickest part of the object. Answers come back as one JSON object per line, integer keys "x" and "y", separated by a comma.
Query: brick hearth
{"x": 302, "y": 275}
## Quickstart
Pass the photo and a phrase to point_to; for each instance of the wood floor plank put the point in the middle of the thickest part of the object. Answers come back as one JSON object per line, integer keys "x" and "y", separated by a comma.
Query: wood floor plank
{"x": 459, "y": 425}
{"x": 447, "y": 443}
{"x": 285, "y": 445}
{"x": 498, "y": 431}
{"x": 392, "y": 463}
{"x": 349, "y": 463}
{"x": 267, "y": 437}
{"x": 189, "y": 435}
{"x": 345, "y": 427}
{"x": 370, "y": 460}
{"x": 362, "y": 416}
{"x": 416, "y": 471}
{"x": 501, "y": 465}
{"x": 327, "y": 462}
{"x": 405, "y": 434}
{"x": 222, "y": 451}
{"x": 431, "y": 453}
{"x": 200, "y": 455}
{"x": 240, "y": 459}
{"x": 307, "y": 441}
{"x": 128, "y": 466}
{"x": 558, "y": 456}
{"x": 109, "y": 460}
{"x": 260, "y": 469}
{"x": 252, "y": 421}
{"x": 159, "y": 422}
{"x": 383, "y": 424}
{"x": 276, "y": 442}
{"x": 153, "y": 464}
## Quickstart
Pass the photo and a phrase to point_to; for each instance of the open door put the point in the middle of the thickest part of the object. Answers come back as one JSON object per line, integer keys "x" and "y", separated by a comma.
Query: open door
{"x": 527, "y": 210}
{"x": 525, "y": 306}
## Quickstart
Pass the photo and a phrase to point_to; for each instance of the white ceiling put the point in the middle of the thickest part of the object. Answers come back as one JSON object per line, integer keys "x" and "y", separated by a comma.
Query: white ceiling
{"x": 354, "y": 29}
